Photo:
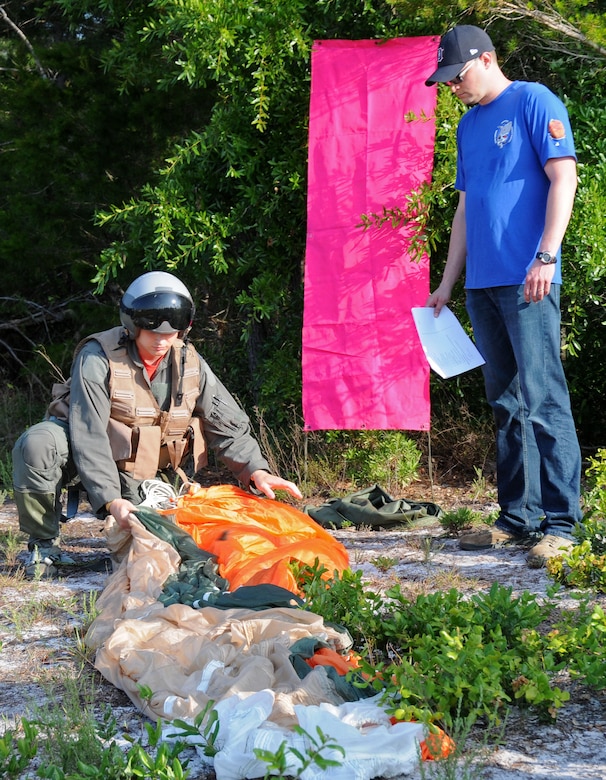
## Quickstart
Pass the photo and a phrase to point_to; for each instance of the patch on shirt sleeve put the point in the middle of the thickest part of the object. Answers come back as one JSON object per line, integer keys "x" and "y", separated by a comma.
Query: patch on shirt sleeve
{"x": 556, "y": 129}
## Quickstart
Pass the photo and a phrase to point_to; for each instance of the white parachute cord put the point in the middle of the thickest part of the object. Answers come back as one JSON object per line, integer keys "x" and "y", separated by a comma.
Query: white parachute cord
{"x": 158, "y": 494}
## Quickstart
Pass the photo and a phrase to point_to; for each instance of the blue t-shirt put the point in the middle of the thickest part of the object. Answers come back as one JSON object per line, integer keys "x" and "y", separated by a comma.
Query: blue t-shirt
{"x": 502, "y": 150}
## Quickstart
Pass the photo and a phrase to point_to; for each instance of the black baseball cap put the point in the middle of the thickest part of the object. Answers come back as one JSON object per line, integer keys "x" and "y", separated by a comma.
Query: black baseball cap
{"x": 459, "y": 45}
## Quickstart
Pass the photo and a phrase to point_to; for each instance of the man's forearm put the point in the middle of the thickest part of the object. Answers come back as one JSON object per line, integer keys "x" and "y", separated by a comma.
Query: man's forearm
{"x": 560, "y": 200}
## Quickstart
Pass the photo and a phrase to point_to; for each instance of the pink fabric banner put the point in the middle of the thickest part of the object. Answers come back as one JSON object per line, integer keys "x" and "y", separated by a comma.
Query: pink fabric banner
{"x": 371, "y": 137}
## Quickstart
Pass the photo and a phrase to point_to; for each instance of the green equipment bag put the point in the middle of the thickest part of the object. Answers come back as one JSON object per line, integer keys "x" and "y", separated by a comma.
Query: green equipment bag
{"x": 375, "y": 508}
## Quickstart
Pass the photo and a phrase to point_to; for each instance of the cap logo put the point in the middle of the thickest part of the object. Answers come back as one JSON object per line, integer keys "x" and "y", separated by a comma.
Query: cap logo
{"x": 440, "y": 54}
{"x": 473, "y": 52}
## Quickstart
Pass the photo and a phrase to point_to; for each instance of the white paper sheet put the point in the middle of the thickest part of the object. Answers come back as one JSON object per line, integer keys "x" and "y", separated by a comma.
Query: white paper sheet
{"x": 448, "y": 349}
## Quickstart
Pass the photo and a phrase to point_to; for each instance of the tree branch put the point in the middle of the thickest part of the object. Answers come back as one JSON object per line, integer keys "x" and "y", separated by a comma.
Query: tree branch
{"x": 40, "y": 314}
{"x": 547, "y": 16}
{"x": 25, "y": 40}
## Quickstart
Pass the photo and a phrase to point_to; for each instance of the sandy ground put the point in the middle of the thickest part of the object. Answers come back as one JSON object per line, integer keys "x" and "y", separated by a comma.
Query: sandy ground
{"x": 572, "y": 748}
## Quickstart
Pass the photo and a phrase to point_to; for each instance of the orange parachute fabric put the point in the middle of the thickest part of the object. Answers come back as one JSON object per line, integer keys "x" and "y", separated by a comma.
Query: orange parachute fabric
{"x": 437, "y": 745}
{"x": 254, "y": 539}
{"x": 326, "y": 656}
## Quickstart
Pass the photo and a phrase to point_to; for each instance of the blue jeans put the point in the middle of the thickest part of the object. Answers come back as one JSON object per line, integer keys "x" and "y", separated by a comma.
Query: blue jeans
{"x": 538, "y": 454}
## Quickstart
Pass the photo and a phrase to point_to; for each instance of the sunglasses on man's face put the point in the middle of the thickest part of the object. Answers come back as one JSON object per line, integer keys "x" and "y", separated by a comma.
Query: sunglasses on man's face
{"x": 460, "y": 76}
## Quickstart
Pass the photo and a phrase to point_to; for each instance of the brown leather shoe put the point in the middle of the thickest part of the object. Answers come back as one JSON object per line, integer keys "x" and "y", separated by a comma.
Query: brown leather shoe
{"x": 489, "y": 539}
{"x": 548, "y": 547}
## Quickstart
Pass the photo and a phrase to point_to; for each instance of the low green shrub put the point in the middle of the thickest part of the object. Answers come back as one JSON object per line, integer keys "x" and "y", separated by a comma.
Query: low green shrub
{"x": 584, "y": 566}
{"x": 446, "y": 656}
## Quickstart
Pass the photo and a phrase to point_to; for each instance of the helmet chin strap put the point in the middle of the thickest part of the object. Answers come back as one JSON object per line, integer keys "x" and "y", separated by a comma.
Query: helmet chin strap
{"x": 179, "y": 396}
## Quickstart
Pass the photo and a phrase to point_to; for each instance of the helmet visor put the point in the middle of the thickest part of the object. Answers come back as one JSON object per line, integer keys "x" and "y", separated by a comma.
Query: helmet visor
{"x": 150, "y": 311}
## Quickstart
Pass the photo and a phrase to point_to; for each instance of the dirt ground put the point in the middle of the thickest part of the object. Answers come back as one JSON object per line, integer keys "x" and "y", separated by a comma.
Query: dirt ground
{"x": 39, "y": 648}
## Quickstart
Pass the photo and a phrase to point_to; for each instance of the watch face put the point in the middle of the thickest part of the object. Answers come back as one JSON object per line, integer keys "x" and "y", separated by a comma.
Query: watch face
{"x": 546, "y": 257}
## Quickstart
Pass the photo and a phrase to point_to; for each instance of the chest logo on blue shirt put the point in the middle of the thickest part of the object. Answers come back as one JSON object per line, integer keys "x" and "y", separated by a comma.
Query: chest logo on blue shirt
{"x": 504, "y": 133}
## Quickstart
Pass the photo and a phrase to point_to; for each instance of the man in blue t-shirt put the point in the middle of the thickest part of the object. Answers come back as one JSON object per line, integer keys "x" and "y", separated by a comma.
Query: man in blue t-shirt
{"x": 516, "y": 176}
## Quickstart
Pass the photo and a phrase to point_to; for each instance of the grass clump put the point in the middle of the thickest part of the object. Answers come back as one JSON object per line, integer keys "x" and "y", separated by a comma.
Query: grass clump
{"x": 456, "y": 520}
{"x": 65, "y": 740}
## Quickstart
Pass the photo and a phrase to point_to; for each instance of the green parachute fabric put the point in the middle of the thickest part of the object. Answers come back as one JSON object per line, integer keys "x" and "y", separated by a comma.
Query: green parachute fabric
{"x": 372, "y": 507}
{"x": 166, "y": 529}
{"x": 198, "y": 583}
{"x": 344, "y": 681}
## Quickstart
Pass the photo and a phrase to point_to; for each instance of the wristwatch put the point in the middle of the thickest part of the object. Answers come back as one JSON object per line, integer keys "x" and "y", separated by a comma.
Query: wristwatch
{"x": 546, "y": 257}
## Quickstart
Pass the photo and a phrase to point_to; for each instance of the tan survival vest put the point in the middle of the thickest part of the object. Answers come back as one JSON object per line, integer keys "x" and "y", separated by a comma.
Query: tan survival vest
{"x": 143, "y": 438}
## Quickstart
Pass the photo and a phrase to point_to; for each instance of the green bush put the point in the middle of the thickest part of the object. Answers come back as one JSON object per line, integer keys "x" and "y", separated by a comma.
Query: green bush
{"x": 445, "y": 656}
{"x": 584, "y": 566}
